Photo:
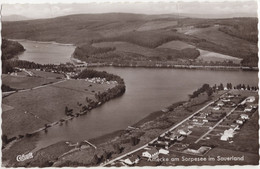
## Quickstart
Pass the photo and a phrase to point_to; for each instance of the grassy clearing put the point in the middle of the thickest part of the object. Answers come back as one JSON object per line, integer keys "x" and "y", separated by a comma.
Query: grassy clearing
{"x": 44, "y": 74}
{"x": 216, "y": 57}
{"x": 176, "y": 44}
{"x": 45, "y": 105}
{"x": 157, "y": 24}
{"x": 25, "y": 82}
{"x": 212, "y": 34}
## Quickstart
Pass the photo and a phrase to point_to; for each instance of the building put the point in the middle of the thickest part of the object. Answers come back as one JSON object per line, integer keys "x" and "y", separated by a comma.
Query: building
{"x": 163, "y": 151}
{"x": 185, "y": 132}
{"x": 216, "y": 108}
{"x": 153, "y": 153}
{"x": 248, "y": 109}
{"x": 244, "y": 116}
{"x": 225, "y": 100}
{"x": 132, "y": 160}
{"x": 227, "y": 135}
{"x": 250, "y": 99}
{"x": 239, "y": 121}
{"x": 220, "y": 104}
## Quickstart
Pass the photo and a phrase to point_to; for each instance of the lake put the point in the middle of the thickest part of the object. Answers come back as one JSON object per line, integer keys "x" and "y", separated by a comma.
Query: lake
{"x": 147, "y": 90}
{"x": 46, "y": 53}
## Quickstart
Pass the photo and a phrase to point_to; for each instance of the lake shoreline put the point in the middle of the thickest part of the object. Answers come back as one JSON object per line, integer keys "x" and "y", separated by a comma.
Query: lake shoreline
{"x": 192, "y": 67}
{"x": 73, "y": 59}
{"x": 43, "y": 42}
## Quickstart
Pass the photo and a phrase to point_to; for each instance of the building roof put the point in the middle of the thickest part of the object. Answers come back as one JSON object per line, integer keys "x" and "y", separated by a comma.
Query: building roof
{"x": 152, "y": 151}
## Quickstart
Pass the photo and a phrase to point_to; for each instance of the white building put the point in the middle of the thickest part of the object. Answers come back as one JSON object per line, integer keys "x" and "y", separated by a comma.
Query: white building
{"x": 153, "y": 153}
{"x": 163, "y": 151}
{"x": 244, "y": 116}
{"x": 227, "y": 134}
{"x": 250, "y": 99}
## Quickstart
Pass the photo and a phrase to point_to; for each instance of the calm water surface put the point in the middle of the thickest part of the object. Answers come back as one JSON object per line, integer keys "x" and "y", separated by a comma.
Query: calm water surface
{"x": 46, "y": 53}
{"x": 147, "y": 90}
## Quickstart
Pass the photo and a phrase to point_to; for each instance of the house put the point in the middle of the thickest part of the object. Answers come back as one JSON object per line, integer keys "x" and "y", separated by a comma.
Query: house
{"x": 248, "y": 109}
{"x": 163, "y": 151}
{"x": 205, "y": 120}
{"x": 185, "y": 132}
{"x": 152, "y": 153}
{"x": 239, "y": 121}
{"x": 225, "y": 100}
{"x": 132, "y": 160}
{"x": 227, "y": 134}
{"x": 220, "y": 104}
{"x": 250, "y": 99}
{"x": 216, "y": 108}
{"x": 244, "y": 116}
{"x": 230, "y": 95}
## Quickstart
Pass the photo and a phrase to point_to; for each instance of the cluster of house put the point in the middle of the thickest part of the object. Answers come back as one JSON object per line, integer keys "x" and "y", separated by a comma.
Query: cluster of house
{"x": 226, "y": 100}
{"x": 100, "y": 80}
{"x": 229, "y": 133}
{"x": 159, "y": 146}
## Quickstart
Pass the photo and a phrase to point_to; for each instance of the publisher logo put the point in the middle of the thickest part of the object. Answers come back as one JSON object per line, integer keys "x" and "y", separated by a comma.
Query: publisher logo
{"x": 24, "y": 157}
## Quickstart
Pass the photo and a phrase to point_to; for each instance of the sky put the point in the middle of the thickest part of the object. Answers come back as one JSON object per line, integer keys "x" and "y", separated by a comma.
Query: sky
{"x": 48, "y": 10}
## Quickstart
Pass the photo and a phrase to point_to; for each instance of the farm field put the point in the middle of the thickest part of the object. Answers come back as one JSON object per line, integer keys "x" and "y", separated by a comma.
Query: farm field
{"x": 31, "y": 113}
{"x": 212, "y": 34}
{"x": 26, "y": 82}
{"x": 157, "y": 24}
{"x": 216, "y": 57}
{"x": 176, "y": 44}
{"x": 44, "y": 74}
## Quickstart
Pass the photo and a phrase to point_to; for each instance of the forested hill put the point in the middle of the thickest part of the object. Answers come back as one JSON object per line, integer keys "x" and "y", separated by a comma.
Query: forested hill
{"x": 10, "y": 49}
{"x": 119, "y": 37}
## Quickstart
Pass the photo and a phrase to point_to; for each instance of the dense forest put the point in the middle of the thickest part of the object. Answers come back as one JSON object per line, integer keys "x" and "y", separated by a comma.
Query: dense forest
{"x": 10, "y": 49}
{"x": 9, "y": 65}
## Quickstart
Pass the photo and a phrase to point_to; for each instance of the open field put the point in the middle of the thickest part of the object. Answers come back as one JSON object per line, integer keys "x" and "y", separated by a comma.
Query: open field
{"x": 176, "y": 44}
{"x": 212, "y": 34}
{"x": 44, "y": 74}
{"x": 216, "y": 57}
{"x": 31, "y": 113}
{"x": 26, "y": 82}
{"x": 157, "y": 24}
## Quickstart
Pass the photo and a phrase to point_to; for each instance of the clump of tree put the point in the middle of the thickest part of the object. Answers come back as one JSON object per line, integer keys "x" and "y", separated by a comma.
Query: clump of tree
{"x": 229, "y": 86}
{"x": 6, "y": 88}
{"x": 244, "y": 87}
{"x": 205, "y": 88}
{"x": 134, "y": 141}
{"x": 118, "y": 149}
{"x": 68, "y": 112}
{"x": 86, "y": 51}
{"x": 10, "y": 49}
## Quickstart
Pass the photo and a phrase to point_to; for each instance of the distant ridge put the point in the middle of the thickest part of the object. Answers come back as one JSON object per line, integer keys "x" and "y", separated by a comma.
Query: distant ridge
{"x": 14, "y": 18}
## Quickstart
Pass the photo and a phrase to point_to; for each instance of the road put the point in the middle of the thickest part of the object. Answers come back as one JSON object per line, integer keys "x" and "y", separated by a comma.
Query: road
{"x": 174, "y": 127}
